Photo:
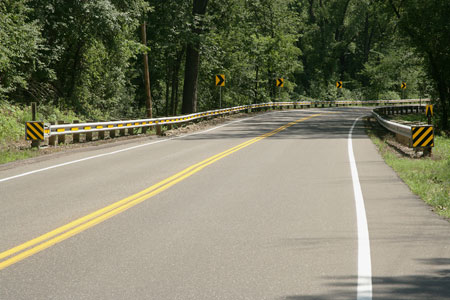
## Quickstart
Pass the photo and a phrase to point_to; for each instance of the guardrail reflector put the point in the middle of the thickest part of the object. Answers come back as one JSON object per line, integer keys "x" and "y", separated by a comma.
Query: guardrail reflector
{"x": 422, "y": 136}
{"x": 34, "y": 131}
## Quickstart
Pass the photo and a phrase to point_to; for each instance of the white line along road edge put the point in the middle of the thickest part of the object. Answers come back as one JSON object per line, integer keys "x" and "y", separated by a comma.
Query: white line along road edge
{"x": 364, "y": 289}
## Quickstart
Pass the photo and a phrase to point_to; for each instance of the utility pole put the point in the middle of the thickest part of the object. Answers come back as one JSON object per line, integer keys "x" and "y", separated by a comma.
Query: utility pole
{"x": 148, "y": 102}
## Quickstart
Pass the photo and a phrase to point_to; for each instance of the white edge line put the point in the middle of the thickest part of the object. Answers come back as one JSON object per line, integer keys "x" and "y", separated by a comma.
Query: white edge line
{"x": 364, "y": 288}
{"x": 123, "y": 150}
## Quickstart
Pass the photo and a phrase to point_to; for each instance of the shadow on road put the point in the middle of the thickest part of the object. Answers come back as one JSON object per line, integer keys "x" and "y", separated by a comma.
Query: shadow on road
{"x": 327, "y": 126}
{"x": 435, "y": 285}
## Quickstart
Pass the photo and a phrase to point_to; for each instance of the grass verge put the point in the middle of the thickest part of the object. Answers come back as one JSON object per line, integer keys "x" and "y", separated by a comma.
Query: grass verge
{"x": 429, "y": 178}
{"x": 7, "y": 155}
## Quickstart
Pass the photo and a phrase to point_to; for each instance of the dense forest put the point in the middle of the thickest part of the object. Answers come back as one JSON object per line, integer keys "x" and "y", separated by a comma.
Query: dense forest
{"x": 86, "y": 56}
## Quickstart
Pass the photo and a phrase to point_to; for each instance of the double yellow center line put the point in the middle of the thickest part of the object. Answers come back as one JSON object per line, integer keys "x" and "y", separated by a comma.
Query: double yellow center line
{"x": 20, "y": 252}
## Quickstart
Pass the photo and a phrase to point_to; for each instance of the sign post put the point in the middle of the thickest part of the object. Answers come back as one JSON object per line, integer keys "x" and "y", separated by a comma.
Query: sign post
{"x": 403, "y": 87}
{"x": 34, "y": 130}
{"x": 429, "y": 112}
{"x": 220, "y": 81}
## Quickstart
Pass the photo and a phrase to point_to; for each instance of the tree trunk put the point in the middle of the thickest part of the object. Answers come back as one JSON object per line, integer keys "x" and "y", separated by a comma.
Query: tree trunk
{"x": 256, "y": 84}
{"x": 193, "y": 61}
{"x": 175, "y": 81}
{"x": 443, "y": 89}
{"x": 168, "y": 68}
{"x": 148, "y": 102}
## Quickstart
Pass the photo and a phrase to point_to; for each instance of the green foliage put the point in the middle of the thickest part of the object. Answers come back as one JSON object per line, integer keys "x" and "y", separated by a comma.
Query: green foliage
{"x": 12, "y": 122}
{"x": 13, "y": 118}
{"x": 19, "y": 47}
{"x": 85, "y": 56}
{"x": 432, "y": 41}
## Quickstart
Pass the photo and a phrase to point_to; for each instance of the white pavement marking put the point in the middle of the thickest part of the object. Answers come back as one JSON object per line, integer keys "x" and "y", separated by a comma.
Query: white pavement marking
{"x": 122, "y": 150}
{"x": 364, "y": 289}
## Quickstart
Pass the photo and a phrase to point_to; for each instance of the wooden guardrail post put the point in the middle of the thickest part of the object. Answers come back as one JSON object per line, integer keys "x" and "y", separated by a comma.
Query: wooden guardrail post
{"x": 101, "y": 134}
{"x": 144, "y": 129}
{"x": 89, "y": 134}
{"x": 130, "y": 131}
{"x": 52, "y": 138}
{"x": 122, "y": 132}
{"x": 62, "y": 137}
{"x": 76, "y": 136}
{"x": 158, "y": 130}
{"x": 112, "y": 133}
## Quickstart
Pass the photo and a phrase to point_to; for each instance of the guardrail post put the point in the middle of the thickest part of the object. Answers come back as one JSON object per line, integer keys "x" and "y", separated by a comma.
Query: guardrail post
{"x": 112, "y": 133}
{"x": 62, "y": 137}
{"x": 130, "y": 131}
{"x": 76, "y": 136}
{"x": 158, "y": 130}
{"x": 101, "y": 134}
{"x": 52, "y": 138}
{"x": 122, "y": 132}
{"x": 89, "y": 134}
{"x": 144, "y": 130}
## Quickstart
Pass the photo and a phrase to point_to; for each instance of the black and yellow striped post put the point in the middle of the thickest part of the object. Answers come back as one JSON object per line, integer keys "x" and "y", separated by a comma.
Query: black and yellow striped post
{"x": 422, "y": 136}
{"x": 34, "y": 131}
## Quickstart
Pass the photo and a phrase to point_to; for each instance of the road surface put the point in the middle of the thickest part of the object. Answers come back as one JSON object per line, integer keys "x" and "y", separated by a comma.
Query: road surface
{"x": 261, "y": 208}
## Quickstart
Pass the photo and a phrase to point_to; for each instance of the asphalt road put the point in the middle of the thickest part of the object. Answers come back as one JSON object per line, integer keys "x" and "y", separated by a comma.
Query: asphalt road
{"x": 273, "y": 218}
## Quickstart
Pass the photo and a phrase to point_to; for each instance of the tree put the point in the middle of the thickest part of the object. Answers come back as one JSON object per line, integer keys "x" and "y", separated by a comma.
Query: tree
{"x": 193, "y": 58}
{"x": 432, "y": 41}
{"x": 20, "y": 43}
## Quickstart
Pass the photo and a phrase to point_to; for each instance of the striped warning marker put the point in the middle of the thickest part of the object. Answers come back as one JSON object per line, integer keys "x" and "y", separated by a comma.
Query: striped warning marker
{"x": 423, "y": 136}
{"x": 34, "y": 131}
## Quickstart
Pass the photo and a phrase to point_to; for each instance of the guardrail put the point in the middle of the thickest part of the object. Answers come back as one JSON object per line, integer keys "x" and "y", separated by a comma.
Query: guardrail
{"x": 414, "y": 136}
{"x": 53, "y": 131}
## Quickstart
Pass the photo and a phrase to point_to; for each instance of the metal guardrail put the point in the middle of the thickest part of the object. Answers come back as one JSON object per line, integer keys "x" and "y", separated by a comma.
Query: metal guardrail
{"x": 415, "y": 136}
{"x": 403, "y": 130}
{"x": 88, "y": 128}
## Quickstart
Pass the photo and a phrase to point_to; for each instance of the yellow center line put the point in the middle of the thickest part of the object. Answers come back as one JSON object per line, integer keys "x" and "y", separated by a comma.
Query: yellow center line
{"x": 79, "y": 225}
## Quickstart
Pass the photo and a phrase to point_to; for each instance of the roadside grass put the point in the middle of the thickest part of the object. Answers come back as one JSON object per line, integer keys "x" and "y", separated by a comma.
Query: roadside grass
{"x": 12, "y": 129}
{"x": 429, "y": 178}
{"x": 8, "y": 155}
